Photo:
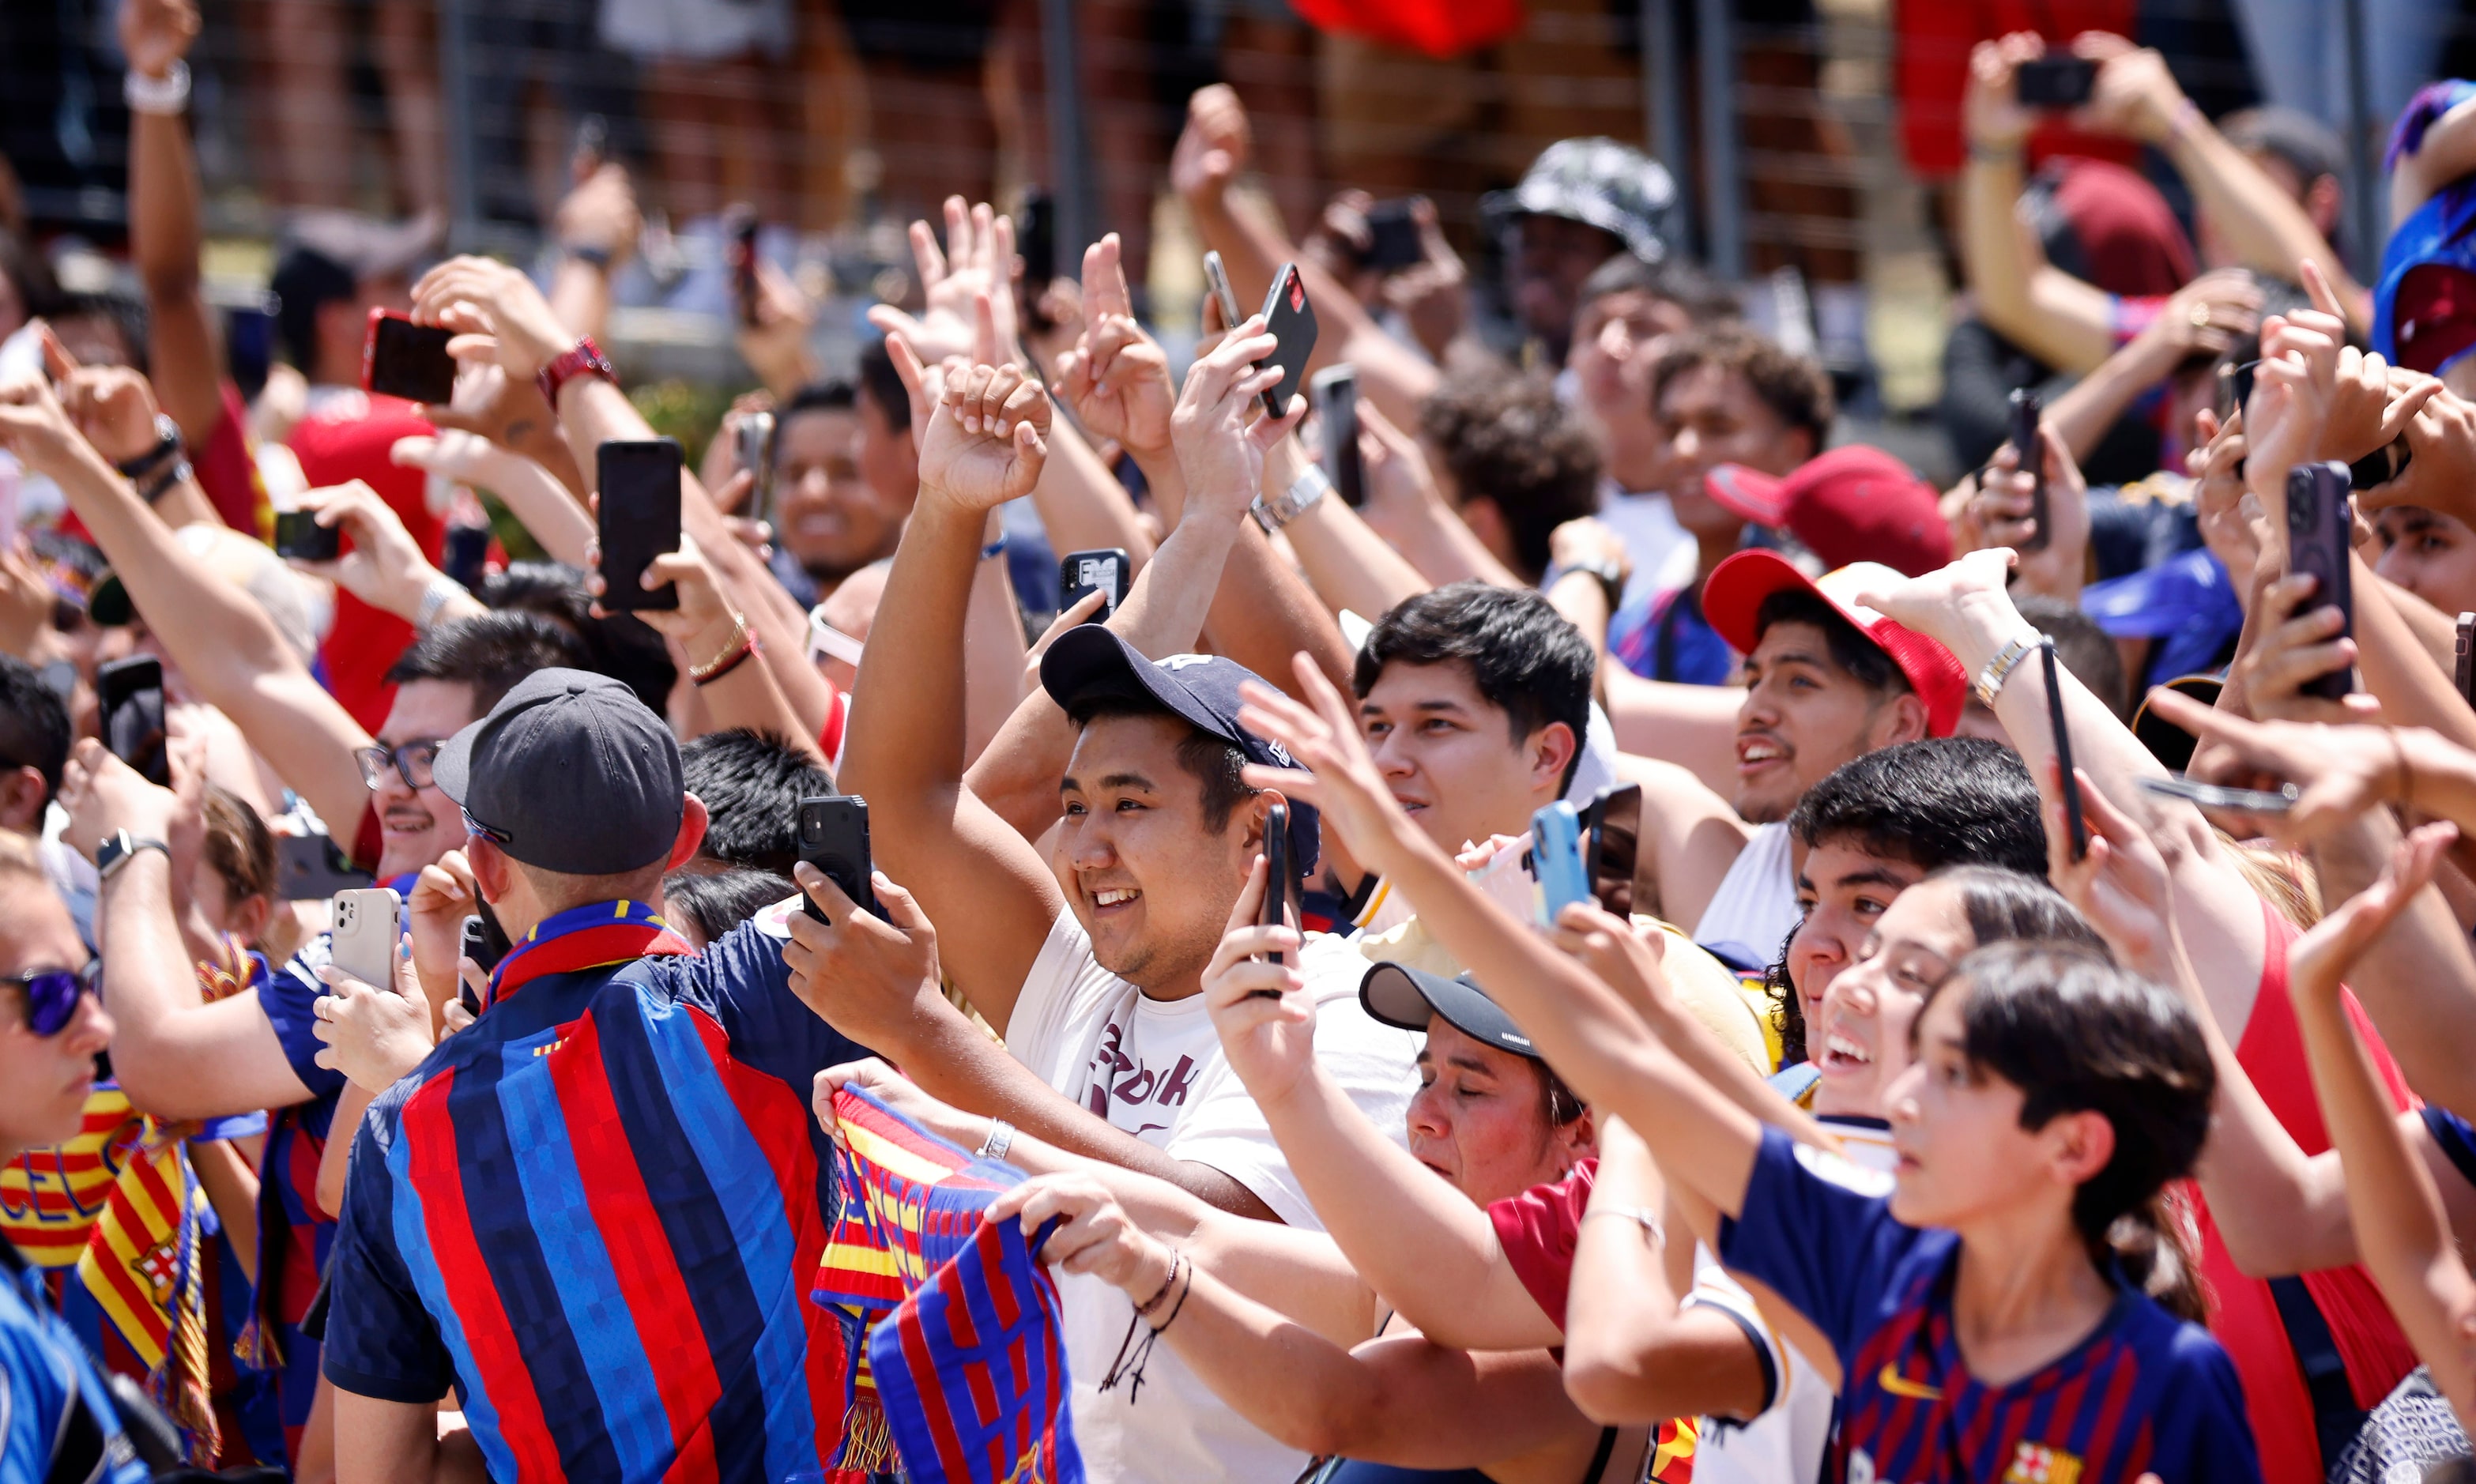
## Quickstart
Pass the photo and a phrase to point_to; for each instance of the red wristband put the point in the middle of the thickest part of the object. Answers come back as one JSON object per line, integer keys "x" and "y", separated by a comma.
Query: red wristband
{"x": 583, "y": 359}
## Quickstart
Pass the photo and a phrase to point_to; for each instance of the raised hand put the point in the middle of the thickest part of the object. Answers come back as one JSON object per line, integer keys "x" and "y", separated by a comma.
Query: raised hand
{"x": 2000, "y": 514}
{"x": 1219, "y": 442}
{"x": 2318, "y": 962}
{"x": 112, "y": 406}
{"x": 2285, "y": 654}
{"x": 2442, "y": 470}
{"x": 978, "y": 258}
{"x": 386, "y": 568}
{"x": 983, "y": 434}
{"x": 497, "y": 313}
{"x": 1633, "y": 964}
{"x": 1261, "y": 1009}
{"x": 2340, "y": 771}
{"x": 1116, "y": 377}
{"x": 897, "y": 1092}
{"x": 600, "y": 214}
{"x": 1932, "y": 602}
{"x": 1338, "y": 777}
{"x": 2120, "y": 886}
{"x": 2290, "y": 396}
{"x": 442, "y": 897}
{"x": 1991, "y": 112}
{"x": 373, "y": 1034}
{"x": 155, "y": 34}
{"x": 2134, "y": 95}
{"x": 869, "y": 977}
{"x": 1214, "y": 146}
{"x": 101, "y": 794}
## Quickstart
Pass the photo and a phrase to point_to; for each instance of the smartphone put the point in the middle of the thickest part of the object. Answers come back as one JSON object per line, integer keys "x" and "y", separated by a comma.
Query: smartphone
{"x": 1216, "y": 278}
{"x": 1612, "y": 829}
{"x": 2318, "y": 530}
{"x": 592, "y": 144}
{"x": 312, "y": 868}
{"x": 2234, "y": 386}
{"x": 1556, "y": 845}
{"x": 485, "y": 943}
{"x": 2029, "y": 441}
{"x": 2379, "y": 467}
{"x": 465, "y": 555}
{"x": 401, "y": 359}
{"x": 2211, "y": 796}
{"x": 2058, "y": 80}
{"x": 740, "y": 226}
{"x": 2464, "y": 669}
{"x": 755, "y": 450}
{"x": 1035, "y": 241}
{"x": 834, "y": 838}
{"x": 2072, "y": 820}
{"x": 364, "y": 931}
{"x": 1106, "y": 568}
{"x": 1335, "y": 393}
{"x": 1277, "y": 876}
{"x": 298, "y": 535}
{"x": 1290, "y": 320}
{"x": 637, "y": 519}
{"x": 129, "y": 698}
{"x": 1393, "y": 237}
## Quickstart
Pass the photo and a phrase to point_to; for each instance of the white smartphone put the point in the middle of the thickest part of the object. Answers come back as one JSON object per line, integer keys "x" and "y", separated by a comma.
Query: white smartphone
{"x": 368, "y": 925}
{"x": 1217, "y": 279}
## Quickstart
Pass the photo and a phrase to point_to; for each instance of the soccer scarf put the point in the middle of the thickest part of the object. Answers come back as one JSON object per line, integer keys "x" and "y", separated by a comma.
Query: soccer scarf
{"x": 592, "y": 936}
{"x": 963, "y": 1343}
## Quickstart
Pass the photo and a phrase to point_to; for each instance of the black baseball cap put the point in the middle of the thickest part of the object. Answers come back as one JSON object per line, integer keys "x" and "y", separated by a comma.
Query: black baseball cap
{"x": 1399, "y": 995}
{"x": 1090, "y": 662}
{"x": 571, "y": 773}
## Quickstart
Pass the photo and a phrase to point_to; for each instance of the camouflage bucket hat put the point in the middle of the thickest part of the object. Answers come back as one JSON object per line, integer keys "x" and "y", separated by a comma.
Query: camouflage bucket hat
{"x": 1600, "y": 183}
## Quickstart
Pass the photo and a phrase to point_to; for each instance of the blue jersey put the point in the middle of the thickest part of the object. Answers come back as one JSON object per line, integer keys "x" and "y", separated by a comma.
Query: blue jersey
{"x": 598, "y": 1211}
{"x": 2143, "y": 1391}
{"x": 56, "y": 1420}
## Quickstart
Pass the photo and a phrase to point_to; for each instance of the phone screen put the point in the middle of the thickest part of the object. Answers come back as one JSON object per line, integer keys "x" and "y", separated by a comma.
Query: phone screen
{"x": 298, "y": 535}
{"x": 640, "y": 520}
{"x": 1336, "y": 401}
{"x": 404, "y": 359}
{"x": 756, "y": 451}
{"x": 1035, "y": 241}
{"x": 2056, "y": 81}
{"x": 1290, "y": 320}
{"x": 128, "y": 694}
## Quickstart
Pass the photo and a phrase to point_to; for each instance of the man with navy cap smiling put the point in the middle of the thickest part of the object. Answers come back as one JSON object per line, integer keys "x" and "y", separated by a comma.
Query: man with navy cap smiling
{"x": 595, "y": 1212}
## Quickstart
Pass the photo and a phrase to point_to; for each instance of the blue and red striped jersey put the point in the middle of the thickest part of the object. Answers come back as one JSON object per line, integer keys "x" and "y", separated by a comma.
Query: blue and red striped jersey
{"x": 596, "y": 1213}
{"x": 2142, "y": 1393}
{"x": 295, "y": 1233}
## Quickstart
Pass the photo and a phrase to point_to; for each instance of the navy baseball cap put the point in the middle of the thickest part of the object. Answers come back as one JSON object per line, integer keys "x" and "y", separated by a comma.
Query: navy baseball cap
{"x": 1089, "y": 662}
{"x": 1399, "y": 995}
{"x": 571, "y": 773}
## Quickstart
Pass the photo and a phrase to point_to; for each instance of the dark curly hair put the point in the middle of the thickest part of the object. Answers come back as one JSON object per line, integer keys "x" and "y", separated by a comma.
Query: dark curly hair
{"x": 1507, "y": 439}
{"x": 1793, "y": 386}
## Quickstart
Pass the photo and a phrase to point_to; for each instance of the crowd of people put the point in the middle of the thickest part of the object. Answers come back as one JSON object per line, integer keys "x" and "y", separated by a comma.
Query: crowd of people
{"x": 1996, "y": 961}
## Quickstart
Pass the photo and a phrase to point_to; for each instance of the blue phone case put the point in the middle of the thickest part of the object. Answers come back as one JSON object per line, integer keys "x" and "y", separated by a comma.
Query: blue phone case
{"x": 1556, "y": 844}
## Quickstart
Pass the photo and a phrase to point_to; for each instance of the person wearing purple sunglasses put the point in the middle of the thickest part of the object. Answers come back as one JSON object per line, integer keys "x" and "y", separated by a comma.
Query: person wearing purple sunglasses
{"x": 51, "y": 1029}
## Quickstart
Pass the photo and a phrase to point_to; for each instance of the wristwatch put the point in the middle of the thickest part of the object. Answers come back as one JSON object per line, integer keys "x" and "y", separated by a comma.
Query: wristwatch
{"x": 1303, "y": 492}
{"x": 583, "y": 359}
{"x": 119, "y": 847}
{"x": 1990, "y": 681}
{"x": 1612, "y": 578}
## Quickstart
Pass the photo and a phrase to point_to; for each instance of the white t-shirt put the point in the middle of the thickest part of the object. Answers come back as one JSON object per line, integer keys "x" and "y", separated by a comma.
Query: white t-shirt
{"x": 1664, "y": 555}
{"x": 1155, "y": 1069}
{"x": 1755, "y": 907}
{"x": 1784, "y": 1443}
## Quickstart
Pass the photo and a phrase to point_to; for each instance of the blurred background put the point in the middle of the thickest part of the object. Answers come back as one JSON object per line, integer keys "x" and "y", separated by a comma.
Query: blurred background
{"x": 1815, "y": 140}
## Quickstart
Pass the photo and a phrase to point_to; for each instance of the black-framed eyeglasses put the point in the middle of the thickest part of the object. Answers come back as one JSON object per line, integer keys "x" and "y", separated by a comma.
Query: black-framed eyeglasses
{"x": 475, "y": 827}
{"x": 411, "y": 760}
{"x": 52, "y": 995}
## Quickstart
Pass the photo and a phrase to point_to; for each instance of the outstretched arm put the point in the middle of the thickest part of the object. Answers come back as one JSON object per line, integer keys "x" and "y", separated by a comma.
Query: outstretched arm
{"x": 184, "y": 354}
{"x": 2400, "y": 1224}
{"x": 2059, "y": 319}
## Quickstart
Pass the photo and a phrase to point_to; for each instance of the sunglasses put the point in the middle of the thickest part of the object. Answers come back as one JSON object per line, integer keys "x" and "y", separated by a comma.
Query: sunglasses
{"x": 52, "y": 995}
{"x": 474, "y": 827}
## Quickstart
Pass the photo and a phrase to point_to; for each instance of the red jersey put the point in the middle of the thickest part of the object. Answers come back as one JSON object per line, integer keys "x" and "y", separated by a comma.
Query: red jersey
{"x": 2242, "y": 1313}
{"x": 349, "y": 438}
{"x": 226, "y": 468}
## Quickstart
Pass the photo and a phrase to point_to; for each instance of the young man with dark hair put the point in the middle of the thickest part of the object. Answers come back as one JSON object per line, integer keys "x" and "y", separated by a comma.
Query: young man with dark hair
{"x": 752, "y": 783}
{"x": 1519, "y": 464}
{"x": 1727, "y": 395}
{"x": 1879, "y": 825}
{"x": 34, "y": 744}
{"x": 618, "y": 645}
{"x": 830, "y": 518}
{"x": 1826, "y": 681}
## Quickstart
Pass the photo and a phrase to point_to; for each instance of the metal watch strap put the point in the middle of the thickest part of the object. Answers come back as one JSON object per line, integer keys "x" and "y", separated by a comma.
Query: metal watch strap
{"x": 1990, "y": 681}
{"x": 1001, "y": 1139}
{"x": 1294, "y": 502}
{"x": 442, "y": 589}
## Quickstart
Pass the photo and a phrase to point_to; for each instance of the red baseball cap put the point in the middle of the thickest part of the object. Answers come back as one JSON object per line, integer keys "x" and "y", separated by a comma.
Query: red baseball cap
{"x": 1733, "y": 596}
{"x": 1853, "y": 504}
